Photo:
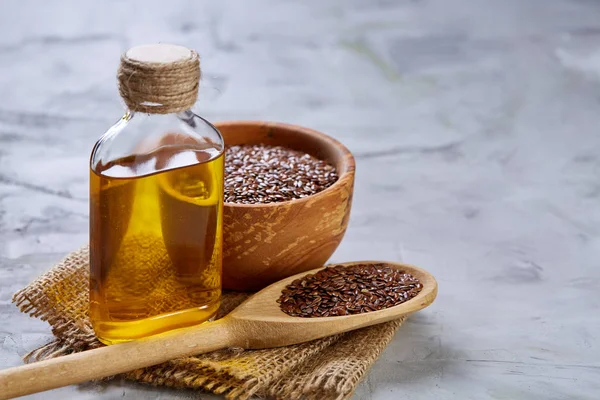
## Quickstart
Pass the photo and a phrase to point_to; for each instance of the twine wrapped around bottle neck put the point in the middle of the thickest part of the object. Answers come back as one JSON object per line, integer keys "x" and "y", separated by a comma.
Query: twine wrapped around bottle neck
{"x": 157, "y": 83}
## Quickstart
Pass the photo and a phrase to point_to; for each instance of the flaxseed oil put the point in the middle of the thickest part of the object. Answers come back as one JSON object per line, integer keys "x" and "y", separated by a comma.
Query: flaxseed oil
{"x": 156, "y": 241}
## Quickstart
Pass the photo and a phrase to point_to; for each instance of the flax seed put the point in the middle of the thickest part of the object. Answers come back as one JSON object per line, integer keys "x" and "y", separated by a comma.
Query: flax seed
{"x": 272, "y": 174}
{"x": 341, "y": 290}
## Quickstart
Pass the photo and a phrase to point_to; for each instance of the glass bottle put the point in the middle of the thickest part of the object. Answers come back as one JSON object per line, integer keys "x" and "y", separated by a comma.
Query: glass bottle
{"x": 156, "y": 202}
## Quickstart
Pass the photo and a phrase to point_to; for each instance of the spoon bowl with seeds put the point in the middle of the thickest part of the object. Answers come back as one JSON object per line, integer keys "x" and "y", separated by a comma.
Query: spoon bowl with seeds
{"x": 294, "y": 310}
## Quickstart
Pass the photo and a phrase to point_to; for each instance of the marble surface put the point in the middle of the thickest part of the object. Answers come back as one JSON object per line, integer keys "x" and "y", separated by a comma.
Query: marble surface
{"x": 475, "y": 128}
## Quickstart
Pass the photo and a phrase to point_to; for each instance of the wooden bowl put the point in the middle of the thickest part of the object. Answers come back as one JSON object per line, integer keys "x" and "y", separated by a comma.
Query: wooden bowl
{"x": 263, "y": 243}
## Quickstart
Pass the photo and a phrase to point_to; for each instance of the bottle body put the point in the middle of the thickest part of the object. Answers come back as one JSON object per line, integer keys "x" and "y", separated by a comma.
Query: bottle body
{"x": 155, "y": 226}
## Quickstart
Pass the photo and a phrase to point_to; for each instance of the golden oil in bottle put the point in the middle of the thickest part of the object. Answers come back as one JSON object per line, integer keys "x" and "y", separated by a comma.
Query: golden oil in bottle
{"x": 156, "y": 203}
{"x": 156, "y": 253}
{"x": 156, "y": 248}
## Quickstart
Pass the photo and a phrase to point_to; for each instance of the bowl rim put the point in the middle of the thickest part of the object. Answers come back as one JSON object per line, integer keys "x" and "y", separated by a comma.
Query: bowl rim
{"x": 349, "y": 158}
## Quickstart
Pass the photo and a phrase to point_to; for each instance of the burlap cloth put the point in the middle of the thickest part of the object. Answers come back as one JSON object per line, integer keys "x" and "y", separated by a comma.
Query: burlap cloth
{"x": 328, "y": 368}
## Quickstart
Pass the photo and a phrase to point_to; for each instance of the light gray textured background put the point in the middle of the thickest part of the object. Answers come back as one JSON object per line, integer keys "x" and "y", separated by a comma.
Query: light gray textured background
{"x": 475, "y": 125}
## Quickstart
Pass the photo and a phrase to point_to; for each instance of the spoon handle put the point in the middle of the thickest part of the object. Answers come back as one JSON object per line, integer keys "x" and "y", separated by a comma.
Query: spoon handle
{"x": 114, "y": 359}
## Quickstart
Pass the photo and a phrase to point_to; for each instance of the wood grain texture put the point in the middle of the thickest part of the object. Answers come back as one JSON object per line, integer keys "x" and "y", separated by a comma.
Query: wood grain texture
{"x": 261, "y": 323}
{"x": 255, "y": 324}
{"x": 263, "y": 243}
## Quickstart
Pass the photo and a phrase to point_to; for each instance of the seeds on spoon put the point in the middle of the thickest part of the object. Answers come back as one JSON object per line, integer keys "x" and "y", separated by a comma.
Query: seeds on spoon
{"x": 345, "y": 290}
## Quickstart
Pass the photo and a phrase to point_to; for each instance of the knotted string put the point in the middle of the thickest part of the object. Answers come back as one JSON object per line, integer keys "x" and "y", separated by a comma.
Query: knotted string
{"x": 159, "y": 88}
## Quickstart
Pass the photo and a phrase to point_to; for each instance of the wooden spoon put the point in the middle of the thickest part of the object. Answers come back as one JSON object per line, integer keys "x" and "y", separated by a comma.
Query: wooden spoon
{"x": 258, "y": 323}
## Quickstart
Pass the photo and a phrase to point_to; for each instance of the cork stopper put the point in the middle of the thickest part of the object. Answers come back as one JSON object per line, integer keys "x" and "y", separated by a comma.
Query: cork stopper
{"x": 159, "y": 78}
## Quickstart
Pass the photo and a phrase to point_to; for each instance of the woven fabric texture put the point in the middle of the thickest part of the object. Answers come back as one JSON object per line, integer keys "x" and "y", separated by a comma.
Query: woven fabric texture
{"x": 328, "y": 368}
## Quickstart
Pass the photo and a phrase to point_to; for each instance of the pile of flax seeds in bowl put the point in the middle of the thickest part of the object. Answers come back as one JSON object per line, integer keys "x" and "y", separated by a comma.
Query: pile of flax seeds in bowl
{"x": 271, "y": 174}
